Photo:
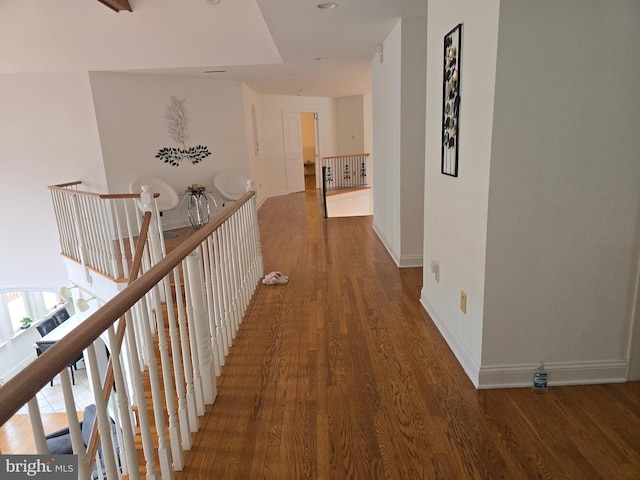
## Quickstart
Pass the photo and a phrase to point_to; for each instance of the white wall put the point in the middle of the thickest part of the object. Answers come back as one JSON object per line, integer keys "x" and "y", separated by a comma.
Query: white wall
{"x": 256, "y": 166}
{"x": 455, "y": 212}
{"x": 398, "y": 141}
{"x": 367, "y": 104}
{"x": 414, "y": 71}
{"x": 386, "y": 96}
{"x": 131, "y": 114}
{"x": 541, "y": 227}
{"x": 48, "y": 135}
{"x": 272, "y": 137}
{"x": 564, "y": 206}
{"x": 350, "y": 124}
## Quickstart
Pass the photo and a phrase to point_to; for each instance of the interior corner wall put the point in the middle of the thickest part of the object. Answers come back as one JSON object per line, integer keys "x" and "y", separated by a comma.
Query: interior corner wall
{"x": 455, "y": 212}
{"x": 412, "y": 139}
{"x": 564, "y": 205}
{"x": 131, "y": 114}
{"x": 386, "y": 98}
{"x": 48, "y": 135}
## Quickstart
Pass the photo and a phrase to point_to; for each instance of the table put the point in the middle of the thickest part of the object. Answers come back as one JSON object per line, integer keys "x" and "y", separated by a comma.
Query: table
{"x": 57, "y": 334}
{"x": 60, "y": 331}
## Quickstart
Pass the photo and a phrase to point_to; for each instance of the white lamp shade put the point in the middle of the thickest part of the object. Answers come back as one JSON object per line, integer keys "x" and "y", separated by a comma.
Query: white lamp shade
{"x": 65, "y": 293}
{"x": 82, "y": 305}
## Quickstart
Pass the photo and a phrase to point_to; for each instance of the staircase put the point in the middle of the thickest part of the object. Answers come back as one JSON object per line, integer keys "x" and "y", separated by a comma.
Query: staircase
{"x": 198, "y": 294}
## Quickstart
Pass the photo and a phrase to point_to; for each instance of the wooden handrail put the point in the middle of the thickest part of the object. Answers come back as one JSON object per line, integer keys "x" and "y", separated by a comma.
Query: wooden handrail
{"x": 347, "y": 156}
{"x": 21, "y": 388}
{"x": 68, "y": 184}
{"x": 84, "y": 193}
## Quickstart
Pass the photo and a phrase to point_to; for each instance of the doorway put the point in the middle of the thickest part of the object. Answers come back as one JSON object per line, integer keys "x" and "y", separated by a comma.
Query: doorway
{"x": 308, "y": 124}
{"x": 301, "y": 149}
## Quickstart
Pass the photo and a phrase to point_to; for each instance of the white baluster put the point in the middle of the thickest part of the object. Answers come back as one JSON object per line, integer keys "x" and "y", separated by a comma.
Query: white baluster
{"x": 233, "y": 270}
{"x": 200, "y": 325}
{"x": 219, "y": 293}
{"x": 214, "y": 312}
{"x": 80, "y": 236}
{"x": 187, "y": 361}
{"x": 208, "y": 295}
{"x": 121, "y": 267}
{"x": 256, "y": 234}
{"x": 79, "y": 447}
{"x": 155, "y": 237}
{"x": 104, "y": 423}
{"x": 124, "y": 408}
{"x": 164, "y": 454}
{"x": 140, "y": 400}
{"x": 36, "y": 426}
{"x": 245, "y": 254}
{"x": 167, "y": 377}
{"x": 176, "y": 355}
{"x": 226, "y": 286}
{"x": 193, "y": 343}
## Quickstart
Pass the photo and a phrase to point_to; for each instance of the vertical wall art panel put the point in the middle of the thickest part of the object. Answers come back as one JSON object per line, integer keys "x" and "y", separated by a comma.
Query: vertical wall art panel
{"x": 451, "y": 101}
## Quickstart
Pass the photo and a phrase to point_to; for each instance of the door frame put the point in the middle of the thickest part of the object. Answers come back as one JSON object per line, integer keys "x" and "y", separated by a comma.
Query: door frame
{"x": 316, "y": 116}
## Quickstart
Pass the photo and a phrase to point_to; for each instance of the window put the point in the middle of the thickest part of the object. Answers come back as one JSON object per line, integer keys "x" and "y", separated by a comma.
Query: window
{"x": 14, "y": 306}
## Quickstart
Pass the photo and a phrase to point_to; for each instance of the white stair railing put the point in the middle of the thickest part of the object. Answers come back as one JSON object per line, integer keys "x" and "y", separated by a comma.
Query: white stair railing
{"x": 201, "y": 308}
{"x": 98, "y": 230}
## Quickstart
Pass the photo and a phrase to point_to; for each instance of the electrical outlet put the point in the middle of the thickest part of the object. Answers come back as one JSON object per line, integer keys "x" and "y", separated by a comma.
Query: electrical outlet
{"x": 463, "y": 302}
{"x": 435, "y": 269}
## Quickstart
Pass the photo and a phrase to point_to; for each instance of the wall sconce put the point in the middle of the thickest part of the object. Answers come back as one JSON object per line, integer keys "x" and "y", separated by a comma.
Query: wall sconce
{"x": 83, "y": 304}
{"x": 65, "y": 293}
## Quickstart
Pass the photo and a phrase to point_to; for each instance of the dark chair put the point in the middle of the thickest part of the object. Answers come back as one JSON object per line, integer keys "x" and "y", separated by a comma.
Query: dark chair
{"x": 59, "y": 442}
{"x": 46, "y": 325}
{"x": 44, "y": 346}
{"x": 61, "y": 315}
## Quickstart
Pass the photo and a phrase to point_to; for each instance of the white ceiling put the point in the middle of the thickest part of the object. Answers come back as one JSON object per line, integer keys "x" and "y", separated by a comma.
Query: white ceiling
{"x": 269, "y": 44}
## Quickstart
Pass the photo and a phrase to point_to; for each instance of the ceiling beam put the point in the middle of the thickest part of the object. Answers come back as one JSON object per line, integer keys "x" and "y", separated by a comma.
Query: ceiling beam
{"x": 117, "y": 5}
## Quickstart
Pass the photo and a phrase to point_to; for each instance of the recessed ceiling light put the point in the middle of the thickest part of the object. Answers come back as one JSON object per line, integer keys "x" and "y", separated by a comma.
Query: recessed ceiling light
{"x": 325, "y": 6}
{"x": 215, "y": 71}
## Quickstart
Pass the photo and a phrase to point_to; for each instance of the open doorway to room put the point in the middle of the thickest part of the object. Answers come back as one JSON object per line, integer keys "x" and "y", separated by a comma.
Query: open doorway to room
{"x": 301, "y": 149}
{"x": 309, "y": 158}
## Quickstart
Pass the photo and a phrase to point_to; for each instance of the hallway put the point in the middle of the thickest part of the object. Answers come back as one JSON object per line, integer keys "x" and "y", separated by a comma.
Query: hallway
{"x": 341, "y": 374}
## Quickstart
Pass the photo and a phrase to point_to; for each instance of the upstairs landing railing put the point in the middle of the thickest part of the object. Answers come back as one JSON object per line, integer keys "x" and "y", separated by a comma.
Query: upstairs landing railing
{"x": 198, "y": 294}
{"x": 98, "y": 230}
{"x": 343, "y": 172}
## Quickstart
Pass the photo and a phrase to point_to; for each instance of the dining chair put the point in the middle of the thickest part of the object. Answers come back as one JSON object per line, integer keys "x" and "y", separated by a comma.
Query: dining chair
{"x": 61, "y": 315}
{"x": 43, "y": 347}
{"x": 46, "y": 325}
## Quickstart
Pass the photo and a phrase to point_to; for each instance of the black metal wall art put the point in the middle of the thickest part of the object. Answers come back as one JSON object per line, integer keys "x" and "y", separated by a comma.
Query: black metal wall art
{"x": 451, "y": 101}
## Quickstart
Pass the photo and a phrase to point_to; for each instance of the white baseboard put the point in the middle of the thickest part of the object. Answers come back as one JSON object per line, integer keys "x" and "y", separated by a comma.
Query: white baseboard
{"x": 521, "y": 375}
{"x": 403, "y": 261}
{"x": 469, "y": 364}
{"x": 384, "y": 241}
{"x": 560, "y": 373}
{"x": 410, "y": 261}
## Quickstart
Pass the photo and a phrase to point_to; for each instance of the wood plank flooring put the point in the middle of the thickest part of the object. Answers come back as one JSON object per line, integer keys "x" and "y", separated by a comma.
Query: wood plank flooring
{"x": 341, "y": 374}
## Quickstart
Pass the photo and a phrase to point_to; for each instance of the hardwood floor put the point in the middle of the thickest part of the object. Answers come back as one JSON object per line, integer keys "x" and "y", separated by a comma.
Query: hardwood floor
{"x": 341, "y": 374}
